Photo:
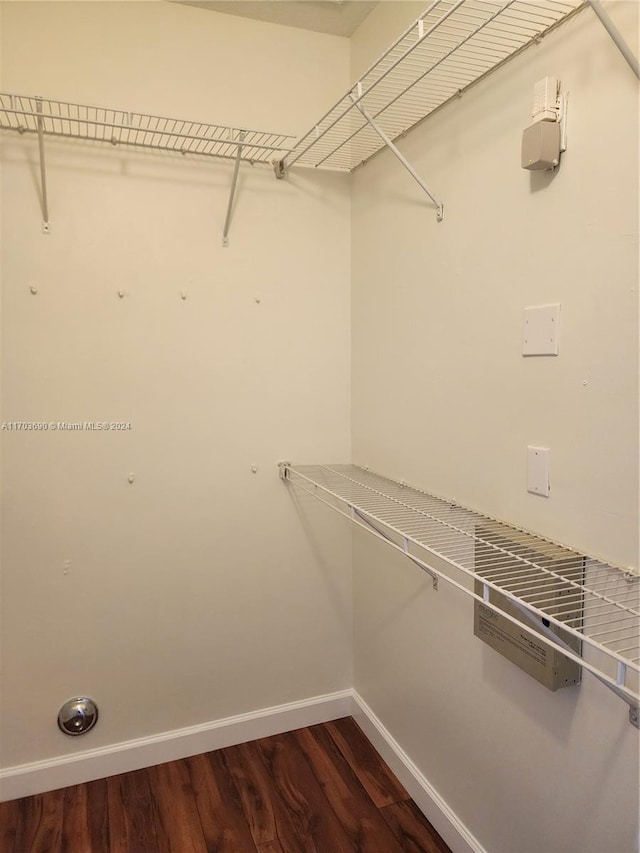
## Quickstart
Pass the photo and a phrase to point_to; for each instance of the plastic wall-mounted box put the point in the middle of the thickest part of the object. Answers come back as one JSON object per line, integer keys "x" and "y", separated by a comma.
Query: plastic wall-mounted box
{"x": 541, "y": 146}
{"x": 545, "y": 99}
{"x": 523, "y": 645}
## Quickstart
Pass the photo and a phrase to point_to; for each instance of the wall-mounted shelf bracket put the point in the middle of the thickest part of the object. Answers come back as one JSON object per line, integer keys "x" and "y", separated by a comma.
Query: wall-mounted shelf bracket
{"x": 279, "y": 169}
{"x": 367, "y": 523}
{"x": 232, "y": 192}
{"x": 283, "y": 467}
{"x": 43, "y": 170}
{"x": 356, "y": 98}
{"x": 617, "y": 38}
{"x": 563, "y": 106}
{"x": 621, "y": 672}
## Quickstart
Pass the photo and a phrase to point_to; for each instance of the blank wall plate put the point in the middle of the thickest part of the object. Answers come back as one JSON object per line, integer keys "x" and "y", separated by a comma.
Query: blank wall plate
{"x": 538, "y": 464}
{"x": 541, "y": 328}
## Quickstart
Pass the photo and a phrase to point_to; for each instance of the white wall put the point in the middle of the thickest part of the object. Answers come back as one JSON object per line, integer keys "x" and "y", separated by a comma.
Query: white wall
{"x": 202, "y": 590}
{"x": 194, "y": 593}
{"x": 379, "y": 30}
{"x": 443, "y": 398}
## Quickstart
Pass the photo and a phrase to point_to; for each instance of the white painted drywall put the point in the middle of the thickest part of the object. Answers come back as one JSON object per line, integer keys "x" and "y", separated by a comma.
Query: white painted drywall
{"x": 443, "y": 398}
{"x": 200, "y": 590}
{"x": 378, "y": 31}
{"x": 194, "y": 593}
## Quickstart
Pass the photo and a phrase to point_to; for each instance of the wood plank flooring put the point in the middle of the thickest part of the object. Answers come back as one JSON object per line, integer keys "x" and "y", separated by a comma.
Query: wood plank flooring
{"x": 322, "y": 789}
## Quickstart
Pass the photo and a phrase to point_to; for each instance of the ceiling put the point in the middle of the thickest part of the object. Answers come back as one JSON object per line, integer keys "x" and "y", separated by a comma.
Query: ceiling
{"x": 333, "y": 17}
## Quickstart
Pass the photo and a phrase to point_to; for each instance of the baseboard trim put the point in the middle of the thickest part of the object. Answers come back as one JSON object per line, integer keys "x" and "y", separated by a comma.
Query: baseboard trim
{"x": 432, "y": 805}
{"x": 28, "y": 779}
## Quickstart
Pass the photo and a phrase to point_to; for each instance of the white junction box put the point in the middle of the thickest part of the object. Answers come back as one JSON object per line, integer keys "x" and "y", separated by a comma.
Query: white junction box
{"x": 541, "y": 145}
{"x": 541, "y": 330}
{"x": 543, "y": 141}
{"x": 538, "y": 471}
{"x": 545, "y": 99}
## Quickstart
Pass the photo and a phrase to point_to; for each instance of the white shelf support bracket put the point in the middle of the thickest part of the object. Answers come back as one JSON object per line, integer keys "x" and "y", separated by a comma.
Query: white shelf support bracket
{"x": 234, "y": 182}
{"x": 43, "y": 170}
{"x": 563, "y": 107}
{"x": 283, "y": 468}
{"x": 366, "y": 522}
{"x": 621, "y": 669}
{"x": 615, "y": 34}
{"x": 383, "y": 136}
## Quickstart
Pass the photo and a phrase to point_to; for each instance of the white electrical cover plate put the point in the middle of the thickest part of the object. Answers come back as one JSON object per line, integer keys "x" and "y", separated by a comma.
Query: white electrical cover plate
{"x": 538, "y": 459}
{"x": 541, "y": 328}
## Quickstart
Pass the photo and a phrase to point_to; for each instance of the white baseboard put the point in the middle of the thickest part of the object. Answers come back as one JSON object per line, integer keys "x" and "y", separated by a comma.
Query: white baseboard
{"x": 429, "y": 801}
{"x": 28, "y": 779}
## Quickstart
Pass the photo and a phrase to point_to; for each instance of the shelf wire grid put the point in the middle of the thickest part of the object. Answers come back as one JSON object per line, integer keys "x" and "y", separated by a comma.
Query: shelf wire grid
{"x": 449, "y": 47}
{"x": 31, "y": 114}
{"x": 593, "y": 601}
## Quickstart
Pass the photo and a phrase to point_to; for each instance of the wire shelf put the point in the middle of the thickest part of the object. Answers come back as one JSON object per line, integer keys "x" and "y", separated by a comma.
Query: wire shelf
{"x": 30, "y": 114}
{"x": 451, "y": 46}
{"x": 595, "y": 603}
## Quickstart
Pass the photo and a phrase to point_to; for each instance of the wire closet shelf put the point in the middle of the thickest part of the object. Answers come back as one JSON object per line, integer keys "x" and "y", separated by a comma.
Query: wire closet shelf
{"x": 31, "y": 114}
{"x": 593, "y": 601}
{"x": 451, "y": 46}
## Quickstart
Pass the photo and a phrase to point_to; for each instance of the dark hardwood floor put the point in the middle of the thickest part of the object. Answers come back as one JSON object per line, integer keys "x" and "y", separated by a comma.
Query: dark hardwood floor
{"x": 322, "y": 789}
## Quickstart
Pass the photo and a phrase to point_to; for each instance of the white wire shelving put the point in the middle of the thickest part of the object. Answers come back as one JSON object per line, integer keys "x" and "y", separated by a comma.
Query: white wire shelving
{"x": 448, "y": 48}
{"x": 551, "y": 586}
{"x": 451, "y": 46}
{"x": 29, "y": 114}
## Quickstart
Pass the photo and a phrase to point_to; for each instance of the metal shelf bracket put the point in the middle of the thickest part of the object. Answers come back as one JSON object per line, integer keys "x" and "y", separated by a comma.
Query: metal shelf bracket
{"x": 234, "y": 182}
{"x": 394, "y": 150}
{"x": 617, "y": 38}
{"x": 43, "y": 170}
{"x": 634, "y": 710}
{"x": 283, "y": 467}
